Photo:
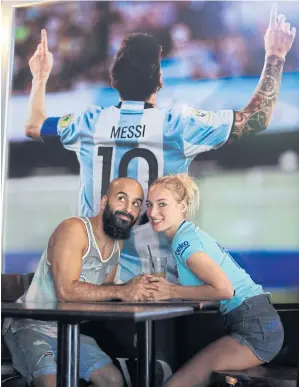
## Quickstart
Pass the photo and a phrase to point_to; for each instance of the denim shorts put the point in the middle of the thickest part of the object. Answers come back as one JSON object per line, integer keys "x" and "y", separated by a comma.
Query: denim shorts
{"x": 34, "y": 354}
{"x": 256, "y": 323}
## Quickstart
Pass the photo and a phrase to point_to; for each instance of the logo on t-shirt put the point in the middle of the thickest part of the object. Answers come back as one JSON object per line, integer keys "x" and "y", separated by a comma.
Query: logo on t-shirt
{"x": 65, "y": 121}
{"x": 204, "y": 116}
{"x": 199, "y": 113}
{"x": 182, "y": 247}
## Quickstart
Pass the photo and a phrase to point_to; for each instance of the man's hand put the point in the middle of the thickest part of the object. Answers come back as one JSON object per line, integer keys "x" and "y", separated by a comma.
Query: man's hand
{"x": 42, "y": 61}
{"x": 138, "y": 289}
{"x": 164, "y": 291}
{"x": 279, "y": 36}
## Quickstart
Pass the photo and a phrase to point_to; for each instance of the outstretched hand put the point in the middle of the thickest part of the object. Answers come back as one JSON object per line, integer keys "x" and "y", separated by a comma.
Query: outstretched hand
{"x": 279, "y": 35}
{"x": 42, "y": 60}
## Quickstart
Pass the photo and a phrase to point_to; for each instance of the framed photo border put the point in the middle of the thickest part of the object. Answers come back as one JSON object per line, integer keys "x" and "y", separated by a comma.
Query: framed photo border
{"x": 8, "y": 9}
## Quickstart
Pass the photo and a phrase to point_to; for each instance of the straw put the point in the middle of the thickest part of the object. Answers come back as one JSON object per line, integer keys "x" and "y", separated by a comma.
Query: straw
{"x": 151, "y": 257}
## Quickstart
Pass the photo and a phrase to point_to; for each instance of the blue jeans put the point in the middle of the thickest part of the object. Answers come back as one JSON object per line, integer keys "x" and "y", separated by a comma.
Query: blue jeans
{"x": 256, "y": 324}
{"x": 34, "y": 354}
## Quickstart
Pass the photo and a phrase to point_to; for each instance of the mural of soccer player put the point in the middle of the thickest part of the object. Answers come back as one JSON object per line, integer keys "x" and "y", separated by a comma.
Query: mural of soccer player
{"x": 138, "y": 139}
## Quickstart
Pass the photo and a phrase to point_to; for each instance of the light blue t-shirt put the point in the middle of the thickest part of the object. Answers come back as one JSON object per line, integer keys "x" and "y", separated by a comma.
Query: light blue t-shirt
{"x": 190, "y": 239}
{"x": 137, "y": 140}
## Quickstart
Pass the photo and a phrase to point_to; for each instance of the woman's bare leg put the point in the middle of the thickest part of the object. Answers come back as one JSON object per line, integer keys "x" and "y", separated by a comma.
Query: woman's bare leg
{"x": 224, "y": 354}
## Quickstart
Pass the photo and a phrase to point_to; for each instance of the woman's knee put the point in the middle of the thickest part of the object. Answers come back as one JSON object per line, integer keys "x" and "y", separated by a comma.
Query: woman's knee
{"x": 109, "y": 376}
{"x": 116, "y": 379}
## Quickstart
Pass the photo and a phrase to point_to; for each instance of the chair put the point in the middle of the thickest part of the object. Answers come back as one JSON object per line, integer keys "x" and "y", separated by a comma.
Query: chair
{"x": 259, "y": 373}
{"x": 12, "y": 287}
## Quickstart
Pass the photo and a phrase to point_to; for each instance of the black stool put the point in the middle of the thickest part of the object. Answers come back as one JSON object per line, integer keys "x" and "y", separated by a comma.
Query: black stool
{"x": 259, "y": 373}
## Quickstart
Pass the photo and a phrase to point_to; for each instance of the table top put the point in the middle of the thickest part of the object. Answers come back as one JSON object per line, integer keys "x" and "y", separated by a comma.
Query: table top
{"x": 78, "y": 312}
{"x": 196, "y": 305}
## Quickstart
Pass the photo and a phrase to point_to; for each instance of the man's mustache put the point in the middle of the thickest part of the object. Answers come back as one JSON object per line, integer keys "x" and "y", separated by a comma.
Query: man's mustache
{"x": 131, "y": 217}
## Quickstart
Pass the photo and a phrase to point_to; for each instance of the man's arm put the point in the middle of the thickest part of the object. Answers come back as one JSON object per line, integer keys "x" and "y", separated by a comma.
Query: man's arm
{"x": 37, "y": 112}
{"x": 66, "y": 247}
{"x": 40, "y": 65}
{"x": 256, "y": 116}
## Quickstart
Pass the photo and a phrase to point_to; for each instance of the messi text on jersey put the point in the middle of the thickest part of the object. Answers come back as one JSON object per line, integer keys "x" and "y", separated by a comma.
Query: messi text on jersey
{"x": 128, "y": 131}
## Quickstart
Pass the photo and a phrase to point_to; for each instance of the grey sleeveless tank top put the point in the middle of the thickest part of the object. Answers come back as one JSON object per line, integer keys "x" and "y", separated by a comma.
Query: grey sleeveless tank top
{"x": 42, "y": 289}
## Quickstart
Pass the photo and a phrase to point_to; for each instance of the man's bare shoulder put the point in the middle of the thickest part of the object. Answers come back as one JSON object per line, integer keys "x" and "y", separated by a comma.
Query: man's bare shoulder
{"x": 71, "y": 228}
{"x": 72, "y": 225}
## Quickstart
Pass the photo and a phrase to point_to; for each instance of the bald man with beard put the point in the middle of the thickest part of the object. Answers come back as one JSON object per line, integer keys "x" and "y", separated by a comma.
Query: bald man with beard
{"x": 79, "y": 265}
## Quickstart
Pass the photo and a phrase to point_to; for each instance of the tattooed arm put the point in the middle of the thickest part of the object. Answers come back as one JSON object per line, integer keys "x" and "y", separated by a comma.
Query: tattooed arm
{"x": 256, "y": 116}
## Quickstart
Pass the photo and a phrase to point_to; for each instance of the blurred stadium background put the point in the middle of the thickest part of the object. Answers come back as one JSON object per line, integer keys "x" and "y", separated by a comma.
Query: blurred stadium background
{"x": 213, "y": 54}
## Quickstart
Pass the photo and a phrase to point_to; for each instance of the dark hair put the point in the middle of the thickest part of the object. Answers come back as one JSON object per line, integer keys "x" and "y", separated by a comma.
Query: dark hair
{"x": 135, "y": 72}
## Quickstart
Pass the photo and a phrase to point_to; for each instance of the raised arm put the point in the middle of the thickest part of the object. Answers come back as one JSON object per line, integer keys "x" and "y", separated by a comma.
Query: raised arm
{"x": 40, "y": 65}
{"x": 66, "y": 247}
{"x": 256, "y": 116}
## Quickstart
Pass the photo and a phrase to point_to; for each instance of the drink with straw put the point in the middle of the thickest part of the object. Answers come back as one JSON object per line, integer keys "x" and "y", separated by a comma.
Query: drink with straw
{"x": 158, "y": 264}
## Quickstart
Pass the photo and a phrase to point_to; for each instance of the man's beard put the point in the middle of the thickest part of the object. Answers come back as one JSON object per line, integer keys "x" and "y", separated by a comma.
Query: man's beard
{"x": 116, "y": 227}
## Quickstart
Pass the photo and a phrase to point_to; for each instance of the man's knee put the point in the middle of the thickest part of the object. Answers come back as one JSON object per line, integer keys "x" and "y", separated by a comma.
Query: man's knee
{"x": 45, "y": 381}
{"x": 108, "y": 376}
{"x": 32, "y": 354}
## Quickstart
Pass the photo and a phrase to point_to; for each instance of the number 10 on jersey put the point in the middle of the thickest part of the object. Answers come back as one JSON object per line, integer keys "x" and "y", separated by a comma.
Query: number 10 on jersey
{"x": 123, "y": 168}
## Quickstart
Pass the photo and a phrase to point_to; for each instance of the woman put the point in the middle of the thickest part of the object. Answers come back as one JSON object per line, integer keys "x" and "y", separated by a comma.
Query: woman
{"x": 208, "y": 272}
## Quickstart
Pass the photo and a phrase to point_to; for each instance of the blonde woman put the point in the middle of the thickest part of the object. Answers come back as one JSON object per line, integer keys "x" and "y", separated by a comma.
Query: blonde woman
{"x": 208, "y": 272}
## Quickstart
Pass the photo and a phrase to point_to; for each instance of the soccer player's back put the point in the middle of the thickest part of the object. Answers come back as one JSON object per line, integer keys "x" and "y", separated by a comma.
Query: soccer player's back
{"x": 139, "y": 140}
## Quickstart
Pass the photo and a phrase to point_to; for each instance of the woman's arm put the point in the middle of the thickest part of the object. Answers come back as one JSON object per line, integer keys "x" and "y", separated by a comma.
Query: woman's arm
{"x": 217, "y": 285}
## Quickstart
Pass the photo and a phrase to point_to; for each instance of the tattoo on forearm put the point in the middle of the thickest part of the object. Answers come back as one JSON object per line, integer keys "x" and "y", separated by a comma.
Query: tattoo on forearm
{"x": 255, "y": 117}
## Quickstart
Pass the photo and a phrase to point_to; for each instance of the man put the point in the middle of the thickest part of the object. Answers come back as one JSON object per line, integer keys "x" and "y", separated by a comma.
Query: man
{"x": 139, "y": 140}
{"x": 79, "y": 264}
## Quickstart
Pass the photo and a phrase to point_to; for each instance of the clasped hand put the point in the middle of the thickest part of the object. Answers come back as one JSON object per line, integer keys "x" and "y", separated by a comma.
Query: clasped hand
{"x": 146, "y": 287}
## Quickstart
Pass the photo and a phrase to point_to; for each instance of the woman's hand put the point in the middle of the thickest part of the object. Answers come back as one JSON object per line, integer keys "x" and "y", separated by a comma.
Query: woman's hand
{"x": 139, "y": 288}
{"x": 165, "y": 288}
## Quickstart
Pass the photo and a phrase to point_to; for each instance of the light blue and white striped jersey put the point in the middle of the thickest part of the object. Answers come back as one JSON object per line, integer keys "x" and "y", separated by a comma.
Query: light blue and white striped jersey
{"x": 136, "y": 139}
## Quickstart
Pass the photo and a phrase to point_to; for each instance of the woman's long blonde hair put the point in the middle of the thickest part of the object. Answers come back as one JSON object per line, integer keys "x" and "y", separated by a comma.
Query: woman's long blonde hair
{"x": 184, "y": 189}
